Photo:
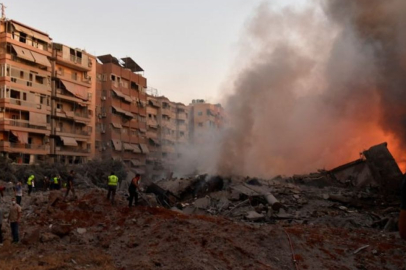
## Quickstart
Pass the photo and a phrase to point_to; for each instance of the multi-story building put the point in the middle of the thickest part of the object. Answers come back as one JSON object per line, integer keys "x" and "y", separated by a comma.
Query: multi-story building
{"x": 167, "y": 133}
{"x": 42, "y": 113}
{"x": 121, "y": 111}
{"x": 73, "y": 117}
{"x": 204, "y": 119}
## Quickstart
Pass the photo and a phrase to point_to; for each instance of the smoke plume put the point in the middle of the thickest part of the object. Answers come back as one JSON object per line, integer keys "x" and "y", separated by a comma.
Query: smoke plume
{"x": 316, "y": 87}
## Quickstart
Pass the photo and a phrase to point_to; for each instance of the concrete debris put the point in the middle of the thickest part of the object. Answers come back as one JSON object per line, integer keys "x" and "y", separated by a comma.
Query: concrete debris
{"x": 254, "y": 216}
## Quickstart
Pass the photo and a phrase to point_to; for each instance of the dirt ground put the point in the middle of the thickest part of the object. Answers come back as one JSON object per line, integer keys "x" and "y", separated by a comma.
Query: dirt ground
{"x": 90, "y": 233}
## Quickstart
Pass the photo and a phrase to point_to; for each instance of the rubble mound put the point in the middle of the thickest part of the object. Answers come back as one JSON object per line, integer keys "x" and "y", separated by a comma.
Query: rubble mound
{"x": 90, "y": 233}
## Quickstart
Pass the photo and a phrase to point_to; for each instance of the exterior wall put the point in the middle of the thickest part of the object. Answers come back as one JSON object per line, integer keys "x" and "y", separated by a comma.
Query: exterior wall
{"x": 167, "y": 133}
{"x": 26, "y": 76}
{"x": 121, "y": 115}
{"x": 74, "y": 75}
{"x": 204, "y": 118}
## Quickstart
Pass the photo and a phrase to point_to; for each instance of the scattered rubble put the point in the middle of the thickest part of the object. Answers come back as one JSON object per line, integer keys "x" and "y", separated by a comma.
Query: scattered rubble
{"x": 215, "y": 222}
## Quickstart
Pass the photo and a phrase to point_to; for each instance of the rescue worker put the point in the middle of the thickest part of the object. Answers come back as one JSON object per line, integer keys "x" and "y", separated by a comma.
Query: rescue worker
{"x": 56, "y": 182}
{"x": 132, "y": 189}
{"x": 30, "y": 183}
{"x": 112, "y": 186}
{"x": 70, "y": 187}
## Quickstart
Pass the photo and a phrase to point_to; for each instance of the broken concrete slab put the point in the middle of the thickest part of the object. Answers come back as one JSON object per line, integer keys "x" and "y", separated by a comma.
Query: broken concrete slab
{"x": 254, "y": 216}
{"x": 202, "y": 203}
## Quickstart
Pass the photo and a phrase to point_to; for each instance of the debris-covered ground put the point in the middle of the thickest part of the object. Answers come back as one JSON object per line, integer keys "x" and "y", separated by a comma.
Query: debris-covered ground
{"x": 216, "y": 231}
{"x": 345, "y": 218}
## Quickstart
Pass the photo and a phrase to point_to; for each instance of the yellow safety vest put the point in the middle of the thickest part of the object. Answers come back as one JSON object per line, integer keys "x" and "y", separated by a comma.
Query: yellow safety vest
{"x": 55, "y": 180}
{"x": 113, "y": 180}
{"x": 29, "y": 182}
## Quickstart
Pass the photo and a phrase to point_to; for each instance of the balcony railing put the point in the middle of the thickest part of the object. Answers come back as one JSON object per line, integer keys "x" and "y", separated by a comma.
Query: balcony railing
{"x": 21, "y": 123}
{"x": 73, "y": 131}
{"x": 29, "y": 146}
{"x": 71, "y": 149}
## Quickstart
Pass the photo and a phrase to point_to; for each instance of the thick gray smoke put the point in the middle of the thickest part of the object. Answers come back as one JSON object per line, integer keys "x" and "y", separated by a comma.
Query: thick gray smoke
{"x": 319, "y": 85}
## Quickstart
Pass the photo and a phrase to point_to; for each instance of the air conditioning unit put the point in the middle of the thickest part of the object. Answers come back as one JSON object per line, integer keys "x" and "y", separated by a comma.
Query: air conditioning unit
{"x": 103, "y": 131}
{"x": 100, "y": 115}
{"x": 103, "y": 97}
{"x": 103, "y": 148}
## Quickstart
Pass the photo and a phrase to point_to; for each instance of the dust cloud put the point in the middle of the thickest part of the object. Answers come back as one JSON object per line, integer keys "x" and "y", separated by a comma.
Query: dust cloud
{"x": 315, "y": 87}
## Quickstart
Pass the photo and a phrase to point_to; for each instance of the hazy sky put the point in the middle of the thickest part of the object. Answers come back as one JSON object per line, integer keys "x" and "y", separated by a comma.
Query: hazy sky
{"x": 186, "y": 47}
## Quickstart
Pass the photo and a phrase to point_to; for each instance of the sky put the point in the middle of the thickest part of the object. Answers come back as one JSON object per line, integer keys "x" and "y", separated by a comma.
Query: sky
{"x": 188, "y": 48}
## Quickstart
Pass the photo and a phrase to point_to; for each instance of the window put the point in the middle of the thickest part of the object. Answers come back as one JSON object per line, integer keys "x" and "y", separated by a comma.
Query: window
{"x": 21, "y": 74}
{"x": 39, "y": 79}
{"x": 134, "y": 86}
{"x": 113, "y": 78}
{"x": 23, "y": 37}
{"x": 59, "y": 106}
{"x": 200, "y": 113}
{"x": 74, "y": 76}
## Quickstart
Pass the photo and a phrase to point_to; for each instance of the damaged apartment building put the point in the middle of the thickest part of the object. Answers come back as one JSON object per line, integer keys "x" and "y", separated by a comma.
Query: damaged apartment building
{"x": 62, "y": 103}
{"x": 121, "y": 111}
{"x": 46, "y": 106}
{"x": 205, "y": 119}
{"x": 168, "y": 133}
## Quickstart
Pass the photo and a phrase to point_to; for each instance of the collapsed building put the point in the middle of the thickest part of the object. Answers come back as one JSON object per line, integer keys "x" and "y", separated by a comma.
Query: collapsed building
{"x": 376, "y": 168}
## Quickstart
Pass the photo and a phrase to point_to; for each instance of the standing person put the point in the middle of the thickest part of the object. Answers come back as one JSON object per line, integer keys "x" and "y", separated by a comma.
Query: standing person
{"x": 57, "y": 182}
{"x": 18, "y": 192}
{"x": 132, "y": 189}
{"x": 1, "y": 225}
{"x": 14, "y": 219}
{"x": 69, "y": 186}
{"x": 112, "y": 186}
{"x": 30, "y": 183}
{"x": 46, "y": 183}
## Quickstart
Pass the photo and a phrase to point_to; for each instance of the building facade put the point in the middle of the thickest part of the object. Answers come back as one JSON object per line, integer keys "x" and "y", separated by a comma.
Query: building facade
{"x": 121, "y": 108}
{"x": 204, "y": 120}
{"x": 41, "y": 112}
{"x": 167, "y": 133}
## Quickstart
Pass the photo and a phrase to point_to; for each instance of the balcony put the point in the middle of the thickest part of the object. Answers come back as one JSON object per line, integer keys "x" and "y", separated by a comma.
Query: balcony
{"x": 24, "y": 148}
{"x": 70, "y": 130}
{"x": 22, "y": 124}
{"x": 66, "y": 150}
{"x": 30, "y": 84}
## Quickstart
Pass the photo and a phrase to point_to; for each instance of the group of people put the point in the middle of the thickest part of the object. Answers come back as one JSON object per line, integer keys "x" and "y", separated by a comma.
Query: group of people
{"x": 16, "y": 210}
{"x": 132, "y": 189}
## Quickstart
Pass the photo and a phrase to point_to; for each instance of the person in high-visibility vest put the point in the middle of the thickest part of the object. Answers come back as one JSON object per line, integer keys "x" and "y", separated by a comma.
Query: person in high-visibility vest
{"x": 112, "y": 186}
{"x": 30, "y": 183}
{"x": 56, "y": 182}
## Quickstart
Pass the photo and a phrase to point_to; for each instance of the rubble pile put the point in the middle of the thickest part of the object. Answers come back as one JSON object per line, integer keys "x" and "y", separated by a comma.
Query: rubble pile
{"x": 321, "y": 220}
